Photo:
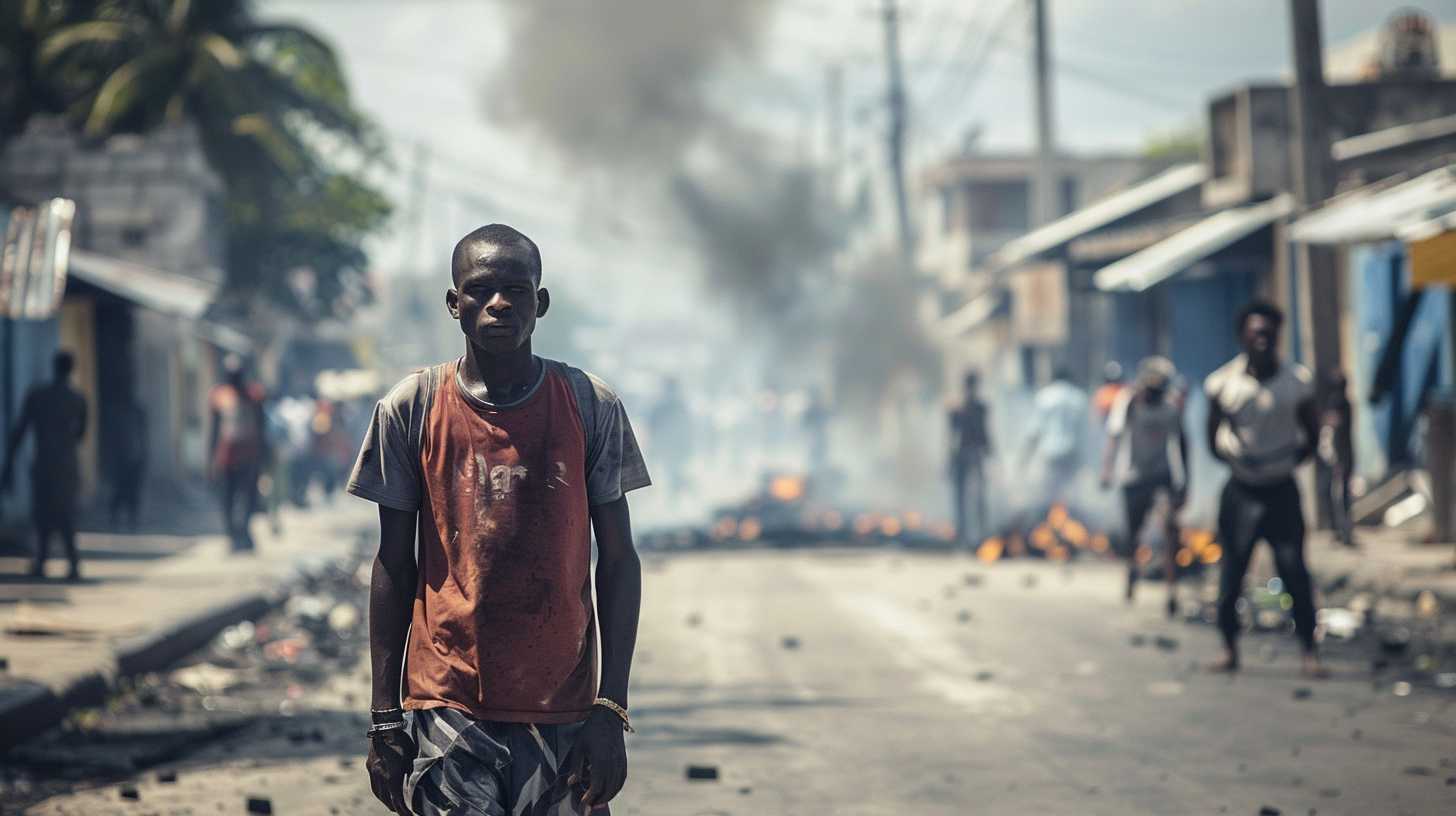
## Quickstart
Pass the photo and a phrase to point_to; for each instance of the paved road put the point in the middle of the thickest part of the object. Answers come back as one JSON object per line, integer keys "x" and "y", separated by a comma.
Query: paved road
{"x": 908, "y": 690}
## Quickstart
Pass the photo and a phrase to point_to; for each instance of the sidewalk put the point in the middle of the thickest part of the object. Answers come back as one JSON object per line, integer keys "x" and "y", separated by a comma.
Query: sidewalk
{"x": 1386, "y": 562}
{"x": 145, "y": 601}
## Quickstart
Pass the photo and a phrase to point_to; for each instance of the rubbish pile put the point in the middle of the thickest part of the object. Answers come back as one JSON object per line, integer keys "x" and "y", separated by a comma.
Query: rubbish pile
{"x": 252, "y": 675}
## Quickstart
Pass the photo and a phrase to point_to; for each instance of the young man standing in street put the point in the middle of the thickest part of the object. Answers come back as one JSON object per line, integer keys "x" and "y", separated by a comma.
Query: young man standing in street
{"x": 503, "y": 464}
{"x": 238, "y": 446}
{"x": 1263, "y": 422}
{"x": 57, "y": 413}
{"x": 1143, "y": 427}
{"x": 970, "y": 446}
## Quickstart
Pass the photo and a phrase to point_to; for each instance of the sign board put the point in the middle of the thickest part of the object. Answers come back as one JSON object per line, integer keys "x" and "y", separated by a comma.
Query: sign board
{"x": 1433, "y": 260}
{"x": 33, "y": 258}
{"x": 1039, "y": 305}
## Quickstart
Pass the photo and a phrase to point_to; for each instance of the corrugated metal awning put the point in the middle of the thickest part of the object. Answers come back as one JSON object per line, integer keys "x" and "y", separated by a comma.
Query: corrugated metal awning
{"x": 966, "y": 318}
{"x": 1167, "y": 258}
{"x": 1378, "y": 212}
{"x": 1094, "y": 216}
{"x": 165, "y": 292}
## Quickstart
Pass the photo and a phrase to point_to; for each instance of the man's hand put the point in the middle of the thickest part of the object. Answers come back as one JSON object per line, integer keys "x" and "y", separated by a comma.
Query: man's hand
{"x": 391, "y": 753}
{"x": 599, "y": 759}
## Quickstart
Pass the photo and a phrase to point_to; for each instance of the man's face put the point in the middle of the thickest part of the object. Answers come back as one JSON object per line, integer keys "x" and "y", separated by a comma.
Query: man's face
{"x": 496, "y": 298}
{"x": 1260, "y": 337}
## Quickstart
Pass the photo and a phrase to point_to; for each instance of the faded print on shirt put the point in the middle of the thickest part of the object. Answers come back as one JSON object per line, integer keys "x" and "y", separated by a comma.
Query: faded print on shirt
{"x": 503, "y": 625}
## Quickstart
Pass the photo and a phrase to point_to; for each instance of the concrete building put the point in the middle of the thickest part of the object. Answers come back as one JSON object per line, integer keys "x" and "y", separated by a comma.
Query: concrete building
{"x": 145, "y": 266}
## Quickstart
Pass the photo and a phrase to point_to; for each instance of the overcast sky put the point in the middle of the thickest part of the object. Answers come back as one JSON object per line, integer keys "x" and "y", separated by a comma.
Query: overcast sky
{"x": 1127, "y": 69}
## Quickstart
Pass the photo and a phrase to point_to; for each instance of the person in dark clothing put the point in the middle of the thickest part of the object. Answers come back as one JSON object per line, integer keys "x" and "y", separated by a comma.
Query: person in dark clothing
{"x": 1336, "y": 460}
{"x": 128, "y": 462}
{"x": 56, "y": 412}
{"x": 1263, "y": 423}
{"x": 970, "y": 447}
{"x": 238, "y": 448}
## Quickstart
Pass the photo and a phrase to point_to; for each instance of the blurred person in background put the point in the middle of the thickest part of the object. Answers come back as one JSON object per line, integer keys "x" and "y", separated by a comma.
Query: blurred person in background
{"x": 237, "y": 442}
{"x": 1263, "y": 422}
{"x": 503, "y": 464}
{"x": 128, "y": 465}
{"x": 1105, "y": 397}
{"x": 1336, "y": 456}
{"x": 56, "y": 413}
{"x": 1058, "y": 431}
{"x": 1147, "y": 454}
{"x": 970, "y": 446}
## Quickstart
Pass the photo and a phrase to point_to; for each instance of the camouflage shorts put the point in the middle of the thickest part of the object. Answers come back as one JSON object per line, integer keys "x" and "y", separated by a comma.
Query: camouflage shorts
{"x": 465, "y": 766}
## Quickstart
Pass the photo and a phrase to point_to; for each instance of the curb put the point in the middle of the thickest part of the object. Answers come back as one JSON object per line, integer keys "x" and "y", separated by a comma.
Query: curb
{"x": 30, "y": 707}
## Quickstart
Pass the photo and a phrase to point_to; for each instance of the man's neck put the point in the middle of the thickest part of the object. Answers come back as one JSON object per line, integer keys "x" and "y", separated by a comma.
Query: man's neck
{"x": 1263, "y": 367}
{"x": 498, "y": 377}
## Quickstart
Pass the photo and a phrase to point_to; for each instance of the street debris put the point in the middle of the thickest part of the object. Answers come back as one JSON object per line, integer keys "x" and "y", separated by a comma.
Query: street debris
{"x": 1138, "y": 641}
{"x": 1303, "y": 693}
{"x": 790, "y": 642}
{"x": 703, "y": 773}
{"x": 260, "y": 805}
{"x": 1269, "y": 810}
{"x": 1166, "y": 643}
{"x": 964, "y": 616}
{"x": 130, "y": 792}
{"x": 166, "y": 777}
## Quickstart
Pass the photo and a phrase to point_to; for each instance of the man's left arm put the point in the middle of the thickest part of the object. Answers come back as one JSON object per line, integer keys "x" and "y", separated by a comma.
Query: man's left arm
{"x": 619, "y": 598}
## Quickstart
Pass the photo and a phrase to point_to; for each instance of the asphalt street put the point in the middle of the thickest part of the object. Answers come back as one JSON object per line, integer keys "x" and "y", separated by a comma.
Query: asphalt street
{"x": 880, "y": 682}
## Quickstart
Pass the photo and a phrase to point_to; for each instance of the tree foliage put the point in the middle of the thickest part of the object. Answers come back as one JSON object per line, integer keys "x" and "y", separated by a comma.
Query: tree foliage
{"x": 270, "y": 103}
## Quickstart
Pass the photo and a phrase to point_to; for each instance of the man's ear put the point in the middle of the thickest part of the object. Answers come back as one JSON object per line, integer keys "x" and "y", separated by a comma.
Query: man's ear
{"x": 452, "y": 302}
{"x": 543, "y": 301}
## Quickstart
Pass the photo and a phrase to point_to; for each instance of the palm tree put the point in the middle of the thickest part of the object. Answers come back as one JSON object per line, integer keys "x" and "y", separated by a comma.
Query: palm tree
{"x": 253, "y": 89}
{"x": 265, "y": 98}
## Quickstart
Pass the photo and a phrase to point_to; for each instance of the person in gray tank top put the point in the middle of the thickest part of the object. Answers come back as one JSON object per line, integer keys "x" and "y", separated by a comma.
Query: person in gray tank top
{"x": 1263, "y": 423}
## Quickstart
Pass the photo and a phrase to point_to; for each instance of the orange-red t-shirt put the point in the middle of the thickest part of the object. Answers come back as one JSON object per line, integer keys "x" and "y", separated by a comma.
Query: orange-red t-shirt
{"x": 503, "y": 626}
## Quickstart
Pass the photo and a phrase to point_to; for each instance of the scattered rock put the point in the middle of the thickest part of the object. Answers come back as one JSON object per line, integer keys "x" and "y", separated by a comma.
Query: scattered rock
{"x": 1269, "y": 810}
{"x": 167, "y": 777}
{"x": 1418, "y": 770}
{"x": 1029, "y": 581}
{"x": 1356, "y": 734}
{"x": 1303, "y": 693}
{"x": 260, "y": 804}
{"x": 970, "y": 579}
{"x": 1330, "y": 793}
{"x": 745, "y": 790}
{"x": 964, "y": 616}
{"x": 130, "y": 793}
{"x": 790, "y": 642}
{"x": 1137, "y": 640}
{"x": 984, "y": 676}
{"x": 694, "y": 620}
{"x": 707, "y": 773}
{"x": 1166, "y": 643}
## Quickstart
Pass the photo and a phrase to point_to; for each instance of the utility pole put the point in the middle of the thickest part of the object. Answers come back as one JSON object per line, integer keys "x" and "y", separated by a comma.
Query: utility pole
{"x": 1317, "y": 278}
{"x": 1316, "y": 274}
{"x": 895, "y": 99}
{"x": 1044, "y": 205}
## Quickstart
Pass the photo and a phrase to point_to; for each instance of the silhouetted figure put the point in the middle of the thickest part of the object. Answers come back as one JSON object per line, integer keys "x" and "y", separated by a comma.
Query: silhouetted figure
{"x": 56, "y": 413}
{"x": 1336, "y": 459}
{"x": 970, "y": 441}
{"x": 128, "y": 462}
{"x": 238, "y": 448}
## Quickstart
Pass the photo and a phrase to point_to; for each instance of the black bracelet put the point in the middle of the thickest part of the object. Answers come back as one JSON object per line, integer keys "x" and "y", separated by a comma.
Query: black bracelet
{"x": 386, "y": 715}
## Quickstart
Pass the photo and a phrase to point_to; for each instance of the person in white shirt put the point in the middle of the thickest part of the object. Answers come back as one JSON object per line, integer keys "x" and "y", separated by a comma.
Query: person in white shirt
{"x": 1147, "y": 446}
{"x": 1263, "y": 423}
{"x": 1058, "y": 429}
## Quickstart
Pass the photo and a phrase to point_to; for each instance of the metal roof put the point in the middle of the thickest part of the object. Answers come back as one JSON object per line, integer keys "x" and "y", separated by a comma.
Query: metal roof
{"x": 1391, "y": 138}
{"x": 165, "y": 292}
{"x": 1119, "y": 205}
{"x": 963, "y": 320}
{"x": 1163, "y": 260}
{"x": 1378, "y": 212}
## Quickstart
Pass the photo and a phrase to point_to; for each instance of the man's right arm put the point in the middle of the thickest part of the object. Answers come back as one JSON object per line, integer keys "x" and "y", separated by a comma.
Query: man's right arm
{"x": 391, "y": 601}
{"x": 1215, "y": 419}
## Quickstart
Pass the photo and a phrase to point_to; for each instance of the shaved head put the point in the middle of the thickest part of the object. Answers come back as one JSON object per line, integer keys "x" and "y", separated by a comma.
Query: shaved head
{"x": 498, "y": 236}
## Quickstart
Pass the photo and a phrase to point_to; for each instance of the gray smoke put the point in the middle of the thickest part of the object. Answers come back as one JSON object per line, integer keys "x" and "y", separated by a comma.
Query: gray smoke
{"x": 619, "y": 82}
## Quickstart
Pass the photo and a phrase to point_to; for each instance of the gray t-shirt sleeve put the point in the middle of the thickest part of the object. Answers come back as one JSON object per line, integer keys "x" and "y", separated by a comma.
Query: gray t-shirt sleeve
{"x": 387, "y": 471}
{"x": 614, "y": 464}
